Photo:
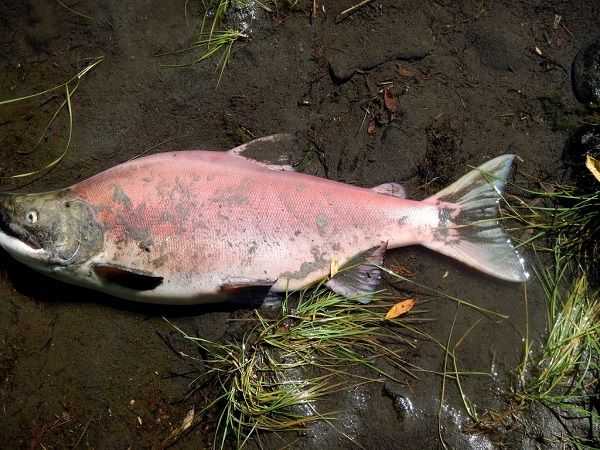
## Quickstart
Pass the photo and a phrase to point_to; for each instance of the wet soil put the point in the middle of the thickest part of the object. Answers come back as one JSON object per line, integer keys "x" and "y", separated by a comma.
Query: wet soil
{"x": 78, "y": 369}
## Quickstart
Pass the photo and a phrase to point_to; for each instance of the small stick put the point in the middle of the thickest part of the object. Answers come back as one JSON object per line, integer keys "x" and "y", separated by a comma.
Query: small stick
{"x": 345, "y": 13}
{"x": 85, "y": 428}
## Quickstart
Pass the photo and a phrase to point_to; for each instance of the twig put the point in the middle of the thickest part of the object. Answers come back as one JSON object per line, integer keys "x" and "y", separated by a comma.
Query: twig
{"x": 74, "y": 11}
{"x": 444, "y": 375}
{"x": 82, "y": 434}
{"x": 347, "y": 12}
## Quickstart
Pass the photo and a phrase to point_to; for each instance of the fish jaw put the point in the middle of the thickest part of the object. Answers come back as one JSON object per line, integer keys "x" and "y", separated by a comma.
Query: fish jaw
{"x": 15, "y": 239}
{"x": 36, "y": 258}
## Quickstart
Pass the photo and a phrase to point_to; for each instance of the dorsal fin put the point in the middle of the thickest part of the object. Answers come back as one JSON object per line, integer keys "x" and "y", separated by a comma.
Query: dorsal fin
{"x": 279, "y": 152}
{"x": 393, "y": 189}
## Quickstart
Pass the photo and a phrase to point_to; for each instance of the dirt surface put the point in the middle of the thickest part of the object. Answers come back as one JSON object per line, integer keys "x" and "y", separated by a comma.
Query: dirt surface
{"x": 78, "y": 369}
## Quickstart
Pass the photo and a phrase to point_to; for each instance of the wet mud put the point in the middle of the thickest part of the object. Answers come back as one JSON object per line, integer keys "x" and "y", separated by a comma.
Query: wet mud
{"x": 465, "y": 81}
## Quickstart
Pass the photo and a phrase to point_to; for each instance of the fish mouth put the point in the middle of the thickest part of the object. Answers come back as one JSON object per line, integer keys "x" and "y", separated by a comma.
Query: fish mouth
{"x": 17, "y": 232}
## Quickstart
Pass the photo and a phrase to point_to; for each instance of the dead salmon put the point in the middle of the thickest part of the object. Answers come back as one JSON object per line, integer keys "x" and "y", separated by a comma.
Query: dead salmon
{"x": 198, "y": 226}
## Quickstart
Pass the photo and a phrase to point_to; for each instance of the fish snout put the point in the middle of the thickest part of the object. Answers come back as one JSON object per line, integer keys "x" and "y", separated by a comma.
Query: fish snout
{"x": 6, "y": 218}
{"x": 11, "y": 227}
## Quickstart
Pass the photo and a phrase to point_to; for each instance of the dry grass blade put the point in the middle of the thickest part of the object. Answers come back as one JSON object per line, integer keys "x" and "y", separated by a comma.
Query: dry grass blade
{"x": 74, "y": 11}
{"x": 485, "y": 311}
{"x": 70, "y": 87}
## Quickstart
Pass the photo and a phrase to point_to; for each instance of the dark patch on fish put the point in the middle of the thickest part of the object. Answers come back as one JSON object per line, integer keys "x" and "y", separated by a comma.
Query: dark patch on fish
{"x": 160, "y": 261}
{"x": 320, "y": 261}
{"x": 121, "y": 197}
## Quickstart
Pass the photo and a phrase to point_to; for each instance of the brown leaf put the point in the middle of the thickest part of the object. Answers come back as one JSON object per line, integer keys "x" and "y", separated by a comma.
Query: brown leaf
{"x": 593, "y": 166}
{"x": 406, "y": 72}
{"x": 371, "y": 127}
{"x": 390, "y": 102}
{"x": 400, "y": 308}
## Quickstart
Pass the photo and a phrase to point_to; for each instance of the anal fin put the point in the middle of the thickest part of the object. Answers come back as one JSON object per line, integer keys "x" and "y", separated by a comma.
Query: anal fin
{"x": 361, "y": 276}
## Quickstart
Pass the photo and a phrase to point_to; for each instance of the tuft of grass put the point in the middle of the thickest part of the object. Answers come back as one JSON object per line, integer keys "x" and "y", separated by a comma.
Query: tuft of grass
{"x": 560, "y": 212}
{"x": 223, "y": 23}
{"x": 70, "y": 88}
{"x": 209, "y": 45}
{"x": 570, "y": 362}
{"x": 273, "y": 379}
{"x": 564, "y": 223}
{"x": 212, "y": 36}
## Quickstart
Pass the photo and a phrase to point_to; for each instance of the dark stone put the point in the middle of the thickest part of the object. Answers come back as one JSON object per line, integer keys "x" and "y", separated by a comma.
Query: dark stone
{"x": 585, "y": 74}
{"x": 406, "y": 144}
{"x": 391, "y": 38}
{"x": 584, "y": 140}
{"x": 43, "y": 27}
{"x": 342, "y": 66}
{"x": 402, "y": 403}
{"x": 499, "y": 50}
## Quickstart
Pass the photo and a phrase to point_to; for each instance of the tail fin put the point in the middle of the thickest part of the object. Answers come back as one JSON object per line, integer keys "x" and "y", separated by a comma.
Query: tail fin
{"x": 469, "y": 230}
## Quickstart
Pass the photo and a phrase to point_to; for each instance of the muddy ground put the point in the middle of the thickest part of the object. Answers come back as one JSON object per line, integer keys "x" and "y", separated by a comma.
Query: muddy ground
{"x": 78, "y": 369}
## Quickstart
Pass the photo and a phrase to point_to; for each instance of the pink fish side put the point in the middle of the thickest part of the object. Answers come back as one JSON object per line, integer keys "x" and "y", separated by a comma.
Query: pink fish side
{"x": 205, "y": 222}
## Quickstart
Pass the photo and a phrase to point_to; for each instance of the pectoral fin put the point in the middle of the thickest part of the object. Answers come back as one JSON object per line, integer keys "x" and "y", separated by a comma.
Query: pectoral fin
{"x": 361, "y": 276}
{"x": 126, "y": 277}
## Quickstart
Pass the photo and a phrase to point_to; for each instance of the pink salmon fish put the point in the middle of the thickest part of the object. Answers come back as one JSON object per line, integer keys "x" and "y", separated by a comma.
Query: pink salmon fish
{"x": 190, "y": 227}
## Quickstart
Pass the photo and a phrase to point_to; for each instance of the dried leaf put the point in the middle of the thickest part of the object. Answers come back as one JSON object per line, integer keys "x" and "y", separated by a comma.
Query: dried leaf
{"x": 188, "y": 420}
{"x": 390, "y": 102}
{"x": 334, "y": 267}
{"x": 593, "y": 165}
{"x": 400, "y": 308}
{"x": 371, "y": 127}
{"x": 402, "y": 270}
{"x": 406, "y": 72}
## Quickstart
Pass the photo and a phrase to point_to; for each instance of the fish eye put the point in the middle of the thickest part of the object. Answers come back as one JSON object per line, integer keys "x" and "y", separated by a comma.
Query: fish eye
{"x": 31, "y": 216}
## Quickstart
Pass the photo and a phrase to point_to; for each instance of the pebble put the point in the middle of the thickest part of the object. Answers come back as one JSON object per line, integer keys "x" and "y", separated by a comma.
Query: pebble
{"x": 585, "y": 74}
{"x": 584, "y": 140}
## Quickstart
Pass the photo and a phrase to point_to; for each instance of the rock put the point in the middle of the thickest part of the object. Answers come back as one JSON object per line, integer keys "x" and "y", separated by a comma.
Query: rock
{"x": 43, "y": 27}
{"x": 500, "y": 50}
{"x": 402, "y": 403}
{"x": 405, "y": 145}
{"x": 357, "y": 44}
{"x": 585, "y": 140}
{"x": 585, "y": 74}
{"x": 343, "y": 66}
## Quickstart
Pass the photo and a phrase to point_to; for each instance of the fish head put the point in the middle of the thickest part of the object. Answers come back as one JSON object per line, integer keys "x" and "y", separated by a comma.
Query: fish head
{"x": 49, "y": 231}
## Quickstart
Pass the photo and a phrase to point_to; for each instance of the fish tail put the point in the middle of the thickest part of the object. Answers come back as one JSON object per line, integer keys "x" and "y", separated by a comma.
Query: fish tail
{"x": 468, "y": 227}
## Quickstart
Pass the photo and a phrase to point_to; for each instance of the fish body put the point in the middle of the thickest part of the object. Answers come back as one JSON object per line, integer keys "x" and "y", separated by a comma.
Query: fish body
{"x": 199, "y": 226}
